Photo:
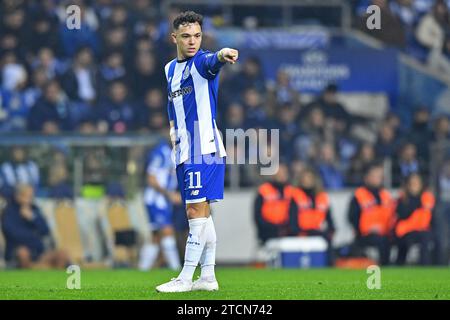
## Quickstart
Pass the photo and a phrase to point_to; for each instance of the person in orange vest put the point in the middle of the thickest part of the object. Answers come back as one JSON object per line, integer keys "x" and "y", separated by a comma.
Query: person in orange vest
{"x": 309, "y": 211}
{"x": 414, "y": 219}
{"x": 271, "y": 206}
{"x": 371, "y": 213}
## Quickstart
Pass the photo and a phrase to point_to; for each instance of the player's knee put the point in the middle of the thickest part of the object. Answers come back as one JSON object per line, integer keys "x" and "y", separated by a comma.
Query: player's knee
{"x": 194, "y": 212}
{"x": 167, "y": 231}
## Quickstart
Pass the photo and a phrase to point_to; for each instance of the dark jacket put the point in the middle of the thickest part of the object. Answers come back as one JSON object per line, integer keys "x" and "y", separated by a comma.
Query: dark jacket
{"x": 354, "y": 212}
{"x": 267, "y": 230}
{"x": 21, "y": 232}
{"x": 45, "y": 110}
{"x": 406, "y": 207}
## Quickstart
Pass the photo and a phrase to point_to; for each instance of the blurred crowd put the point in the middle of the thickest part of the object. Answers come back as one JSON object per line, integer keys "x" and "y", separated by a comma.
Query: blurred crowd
{"x": 420, "y": 28}
{"x": 108, "y": 77}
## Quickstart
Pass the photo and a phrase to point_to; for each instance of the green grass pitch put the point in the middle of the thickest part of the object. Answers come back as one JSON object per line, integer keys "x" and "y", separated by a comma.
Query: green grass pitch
{"x": 235, "y": 283}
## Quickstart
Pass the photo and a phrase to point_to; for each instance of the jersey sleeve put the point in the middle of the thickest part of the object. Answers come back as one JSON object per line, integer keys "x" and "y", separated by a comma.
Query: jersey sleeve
{"x": 208, "y": 64}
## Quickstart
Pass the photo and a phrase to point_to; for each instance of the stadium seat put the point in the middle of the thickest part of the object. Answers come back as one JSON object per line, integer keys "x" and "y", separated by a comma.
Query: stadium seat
{"x": 67, "y": 231}
{"x": 122, "y": 232}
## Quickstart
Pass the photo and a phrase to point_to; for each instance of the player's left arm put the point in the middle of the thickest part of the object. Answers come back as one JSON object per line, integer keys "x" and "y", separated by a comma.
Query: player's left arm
{"x": 209, "y": 64}
{"x": 228, "y": 55}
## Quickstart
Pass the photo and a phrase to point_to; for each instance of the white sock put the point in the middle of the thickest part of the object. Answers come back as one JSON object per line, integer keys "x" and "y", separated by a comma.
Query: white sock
{"x": 194, "y": 247}
{"x": 169, "y": 247}
{"x": 147, "y": 257}
{"x": 208, "y": 260}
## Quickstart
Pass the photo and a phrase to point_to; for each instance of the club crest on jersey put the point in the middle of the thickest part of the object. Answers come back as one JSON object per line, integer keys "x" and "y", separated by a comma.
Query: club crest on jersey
{"x": 186, "y": 73}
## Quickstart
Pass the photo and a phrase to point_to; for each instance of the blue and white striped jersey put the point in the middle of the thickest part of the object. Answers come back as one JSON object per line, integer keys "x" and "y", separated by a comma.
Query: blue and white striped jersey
{"x": 12, "y": 174}
{"x": 192, "y": 92}
{"x": 160, "y": 165}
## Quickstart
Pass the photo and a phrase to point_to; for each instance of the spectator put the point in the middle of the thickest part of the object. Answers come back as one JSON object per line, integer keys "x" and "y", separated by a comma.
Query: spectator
{"x": 118, "y": 17}
{"x": 58, "y": 177}
{"x": 309, "y": 212}
{"x": 256, "y": 116}
{"x": 313, "y": 130}
{"x": 115, "y": 39}
{"x": 387, "y": 142}
{"x": 112, "y": 69}
{"x": 158, "y": 121}
{"x": 419, "y": 133}
{"x": 153, "y": 103}
{"x": 116, "y": 114}
{"x": 415, "y": 212}
{"x": 431, "y": 34}
{"x": 335, "y": 113}
{"x": 406, "y": 11}
{"x": 142, "y": 45}
{"x": 19, "y": 169}
{"x": 87, "y": 126}
{"x": 42, "y": 33}
{"x": 235, "y": 117}
{"x": 443, "y": 210}
{"x": 364, "y": 156}
{"x": 142, "y": 11}
{"x": 250, "y": 76}
{"x": 102, "y": 9}
{"x": 13, "y": 105}
{"x": 86, "y": 36}
{"x": 146, "y": 74}
{"x": 392, "y": 32}
{"x": 441, "y": 129}
{"x": 46, "y": 59}
{"x": 407, "y": 164}
{"x": 34, "y": 91}
{"x": 394, "y": 121}
{"x": 13, "y": 26}
{"x": 447, "y": 46}
{"x": 288, "y": 130}
{"x": 371, "y": 213}
{"x": 328, "y": 167}
{"x": 51, "y": 113}
{"x": 79, "y": 81}
{"x": 25, "y": 229}
{"x": 271, "y": 206}
{"x": 283, "y": 93}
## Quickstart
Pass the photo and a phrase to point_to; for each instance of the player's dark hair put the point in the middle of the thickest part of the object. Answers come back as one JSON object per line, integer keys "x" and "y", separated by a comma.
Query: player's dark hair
{"x": 187, "y": 17}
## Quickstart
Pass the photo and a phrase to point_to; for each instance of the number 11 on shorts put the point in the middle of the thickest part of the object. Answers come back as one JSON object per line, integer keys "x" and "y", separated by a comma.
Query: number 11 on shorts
{"x": 191, "y": 180}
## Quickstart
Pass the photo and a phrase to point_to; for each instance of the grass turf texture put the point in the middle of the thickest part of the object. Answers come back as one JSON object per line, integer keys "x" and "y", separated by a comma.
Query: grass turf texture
{"x": 235, "y": 283}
